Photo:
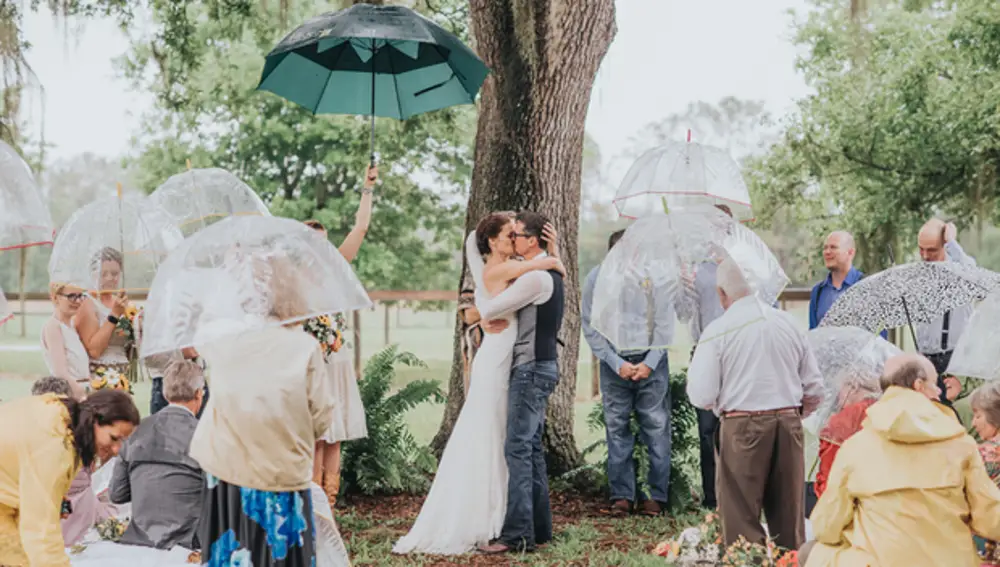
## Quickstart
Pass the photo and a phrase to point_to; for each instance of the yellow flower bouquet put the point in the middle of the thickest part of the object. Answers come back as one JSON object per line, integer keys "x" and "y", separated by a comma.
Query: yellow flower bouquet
{"x": 325, "y": 330}
{"x": 111, "y": 529}
{"x": 109, "y": 378}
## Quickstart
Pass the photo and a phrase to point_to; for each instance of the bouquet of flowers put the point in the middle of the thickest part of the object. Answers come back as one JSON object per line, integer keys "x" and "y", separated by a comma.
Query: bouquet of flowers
{"x": 326, "y": 331}
{"x": 112, "y": 529}
{"x": 109, "y": 378}
{"x": 130, "y": 327}
{"x": 702, "y": 545}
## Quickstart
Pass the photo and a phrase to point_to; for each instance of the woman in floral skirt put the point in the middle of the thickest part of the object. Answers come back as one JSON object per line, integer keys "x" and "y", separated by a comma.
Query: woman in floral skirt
{"x": 270, "y": 403}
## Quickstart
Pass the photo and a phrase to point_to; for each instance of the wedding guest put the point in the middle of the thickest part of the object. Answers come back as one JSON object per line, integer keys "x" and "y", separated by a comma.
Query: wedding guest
{"x": 759, "y": 375}
{"x": 639, "y": 382}
{"x": 157, "y": 365}
{"x": 87, "y": 508}
{"x": 154, "y": 472}
{"x": 259, "y": 462}
{"x": 985, "y": 403}
{"x": 65, "y": 355}
{"x": 349, "y": 418}
{"x": 472, "y": 332}
{"x": 936, "y": 340}
{"x": 909, "y": 487}
{"x": 838, "y": 257}
{"x": 709, "y": 309}
{"x": 38, "y": 463}
{"x": 97, "y": 319}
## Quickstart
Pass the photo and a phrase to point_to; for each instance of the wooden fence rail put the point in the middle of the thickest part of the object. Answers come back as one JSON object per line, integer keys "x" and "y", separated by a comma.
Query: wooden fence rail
{"x": 790, "y": 295}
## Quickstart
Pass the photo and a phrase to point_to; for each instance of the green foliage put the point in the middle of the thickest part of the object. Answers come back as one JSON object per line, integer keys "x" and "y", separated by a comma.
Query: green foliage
{"x": 304, "y": 166}
{"x": 683, "y": 449}
{"x": 389, "y": 460}
{"x": 902, "y": 125}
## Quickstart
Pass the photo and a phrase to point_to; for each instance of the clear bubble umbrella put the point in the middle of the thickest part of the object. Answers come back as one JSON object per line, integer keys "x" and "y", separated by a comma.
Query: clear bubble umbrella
{"x": 113, "y": 244}
{"x": 681, "y": 175}
{"x": 24, "y": 215}
{"x": 975, "y": 355}
{"x": 199, "y": 197}
{"x": 648, "y": 278}
{"x": 851, "y": 360}
{"x": 244, "y": 274}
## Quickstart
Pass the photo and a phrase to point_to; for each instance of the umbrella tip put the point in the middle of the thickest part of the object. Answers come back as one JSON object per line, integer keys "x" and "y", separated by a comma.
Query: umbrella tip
{"x": 119, "y": 187}
{"x": 689, "y": 134}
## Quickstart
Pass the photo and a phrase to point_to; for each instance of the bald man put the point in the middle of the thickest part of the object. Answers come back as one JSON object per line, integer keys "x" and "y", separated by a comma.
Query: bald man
{"x": 838, "y": 256}
{"x": 936, "y": 340}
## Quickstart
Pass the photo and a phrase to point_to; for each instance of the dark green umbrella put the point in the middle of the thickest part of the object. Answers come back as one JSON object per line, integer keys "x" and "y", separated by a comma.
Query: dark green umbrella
{"x": 375, "y": 60}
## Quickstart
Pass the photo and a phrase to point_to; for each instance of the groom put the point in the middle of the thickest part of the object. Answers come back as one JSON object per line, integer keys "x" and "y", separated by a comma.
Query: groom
{"x": 538, "y": 299}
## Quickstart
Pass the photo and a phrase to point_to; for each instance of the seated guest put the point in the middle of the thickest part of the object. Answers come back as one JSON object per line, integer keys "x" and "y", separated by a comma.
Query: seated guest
{"x": 909, "y": 487}
{"x": 985, "y": 402}
{"x": 87, "y": 508}
{"x": 156, "y": 474}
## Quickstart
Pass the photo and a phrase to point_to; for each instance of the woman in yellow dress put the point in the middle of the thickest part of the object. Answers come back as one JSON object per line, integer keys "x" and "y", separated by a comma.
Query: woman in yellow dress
{"x": 44, "y": 441}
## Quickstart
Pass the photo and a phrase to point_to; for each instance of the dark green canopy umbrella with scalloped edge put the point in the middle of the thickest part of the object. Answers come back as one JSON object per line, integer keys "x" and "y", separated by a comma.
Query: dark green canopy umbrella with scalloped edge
{"x": 373, "y": 60}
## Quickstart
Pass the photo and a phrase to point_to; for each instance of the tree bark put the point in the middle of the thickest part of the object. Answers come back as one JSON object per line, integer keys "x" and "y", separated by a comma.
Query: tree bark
{"x": 543, "y": 56}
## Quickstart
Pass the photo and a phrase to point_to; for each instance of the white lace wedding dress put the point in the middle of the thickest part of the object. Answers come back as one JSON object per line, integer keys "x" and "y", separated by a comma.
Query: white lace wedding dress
{"x": 468, "y": 500}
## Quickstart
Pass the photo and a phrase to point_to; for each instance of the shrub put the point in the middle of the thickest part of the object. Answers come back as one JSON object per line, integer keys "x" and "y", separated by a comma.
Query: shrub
{"x": 389, "y": 460}
{"x": 683, "y": 452}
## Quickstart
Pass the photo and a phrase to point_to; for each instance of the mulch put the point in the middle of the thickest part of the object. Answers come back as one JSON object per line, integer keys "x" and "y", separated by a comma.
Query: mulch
{"x": 567, "y": 509}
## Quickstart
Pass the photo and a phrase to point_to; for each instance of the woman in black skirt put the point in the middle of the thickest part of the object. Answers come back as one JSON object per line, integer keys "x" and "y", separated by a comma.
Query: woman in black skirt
{"x": 256, "y": 439}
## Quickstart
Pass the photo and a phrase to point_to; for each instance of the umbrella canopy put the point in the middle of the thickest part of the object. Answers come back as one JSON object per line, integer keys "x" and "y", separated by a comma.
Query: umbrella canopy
{"x": 975, "y": 355}
{"x": 199, "y": 197}
{"x": 648, "y": 278}
{"x": 113, "y": 244}
{"x": 243, "y": 274}
{"x": 851, "y": 362}
{"x": 683, "y": 174}
{"x": 24, "y": 215}
{"x": 918, "y": 292}
{"x": 374, "y": 60}
{"x": 5, "y": 313}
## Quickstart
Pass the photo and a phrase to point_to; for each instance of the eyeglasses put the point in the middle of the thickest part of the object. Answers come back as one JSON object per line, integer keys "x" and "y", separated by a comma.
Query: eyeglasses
{"x": 74, "y": 297}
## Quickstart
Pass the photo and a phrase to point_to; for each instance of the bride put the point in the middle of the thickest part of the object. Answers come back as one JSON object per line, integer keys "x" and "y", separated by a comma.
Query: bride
{"x": 468, "y": 500}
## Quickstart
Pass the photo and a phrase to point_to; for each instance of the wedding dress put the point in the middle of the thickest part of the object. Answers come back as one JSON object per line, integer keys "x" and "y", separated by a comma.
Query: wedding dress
{"x": 468, "y": 499}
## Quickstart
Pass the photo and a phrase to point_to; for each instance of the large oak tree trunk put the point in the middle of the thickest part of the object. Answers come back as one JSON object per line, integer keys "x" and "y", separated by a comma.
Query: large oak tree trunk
{"x": 544, "y": 55}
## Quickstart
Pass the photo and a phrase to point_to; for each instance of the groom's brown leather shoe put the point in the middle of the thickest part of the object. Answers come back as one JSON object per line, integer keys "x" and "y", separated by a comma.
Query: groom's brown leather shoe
{"x": 621, "y": 508}
{"x": 495, "y": 548}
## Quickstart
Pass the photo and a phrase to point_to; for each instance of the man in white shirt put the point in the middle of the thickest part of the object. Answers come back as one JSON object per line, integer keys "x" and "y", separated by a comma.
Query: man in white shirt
{"x": 760, "y": 377}
{"x": 936, "y": 340}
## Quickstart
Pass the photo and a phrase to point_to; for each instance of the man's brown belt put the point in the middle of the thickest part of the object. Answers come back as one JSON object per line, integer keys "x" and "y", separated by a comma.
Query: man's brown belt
{"x": 779, "y": 411}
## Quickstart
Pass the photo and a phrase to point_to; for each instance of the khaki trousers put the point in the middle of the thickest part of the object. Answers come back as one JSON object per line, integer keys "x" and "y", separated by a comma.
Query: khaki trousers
{"x": 761, "y": 467}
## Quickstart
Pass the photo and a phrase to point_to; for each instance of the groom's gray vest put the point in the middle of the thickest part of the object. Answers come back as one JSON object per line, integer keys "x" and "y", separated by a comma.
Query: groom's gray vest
{"x": 538, "y": 327}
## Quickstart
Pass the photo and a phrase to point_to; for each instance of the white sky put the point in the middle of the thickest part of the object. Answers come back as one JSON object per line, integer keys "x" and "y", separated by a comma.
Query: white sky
{"x": 667, "y": 53}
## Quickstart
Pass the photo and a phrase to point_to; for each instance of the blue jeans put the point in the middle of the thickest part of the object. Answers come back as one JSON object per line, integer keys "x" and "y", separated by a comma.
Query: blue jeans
{"x": 529, "y": 515}
{"x": 650, "y": 400}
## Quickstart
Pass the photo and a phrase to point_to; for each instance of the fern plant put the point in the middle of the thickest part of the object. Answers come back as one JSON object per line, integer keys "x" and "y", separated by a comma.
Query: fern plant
{"x": 683, "y": 448}
{"x": 389, "y": 460}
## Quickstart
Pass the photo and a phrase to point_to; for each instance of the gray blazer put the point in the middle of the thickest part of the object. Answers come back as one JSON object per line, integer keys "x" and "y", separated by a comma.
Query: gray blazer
{"x": 161, "y": 481}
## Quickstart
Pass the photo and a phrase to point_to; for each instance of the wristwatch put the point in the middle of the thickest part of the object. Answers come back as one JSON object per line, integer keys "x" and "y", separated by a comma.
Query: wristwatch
{"x": 112, "y": 319}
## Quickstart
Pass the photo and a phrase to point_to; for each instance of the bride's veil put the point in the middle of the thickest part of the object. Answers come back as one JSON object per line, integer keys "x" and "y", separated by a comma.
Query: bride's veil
{"x": 476, "y": 264}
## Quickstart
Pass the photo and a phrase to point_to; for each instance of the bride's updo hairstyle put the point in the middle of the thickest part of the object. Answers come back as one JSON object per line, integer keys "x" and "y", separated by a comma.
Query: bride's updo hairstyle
{"x": 489, "y": 228}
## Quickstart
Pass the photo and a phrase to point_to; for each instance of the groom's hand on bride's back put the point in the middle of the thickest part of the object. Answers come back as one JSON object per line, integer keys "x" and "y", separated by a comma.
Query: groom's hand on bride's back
{"x": 495, "y": 326}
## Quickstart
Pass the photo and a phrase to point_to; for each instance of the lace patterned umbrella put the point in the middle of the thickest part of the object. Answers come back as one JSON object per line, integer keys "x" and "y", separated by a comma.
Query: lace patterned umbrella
{"x": 851, "y": 362}
{"x": 199, "y": 197}
{"x": 24, "y": 215}
{"x": 648, "y": 277}
{"x": 682, "y": 175}
{"x": 975, "y": 354}
{"x": 243, "y": 274}
{"x": 918, "y": 292}
{"x": 113, "y": 244}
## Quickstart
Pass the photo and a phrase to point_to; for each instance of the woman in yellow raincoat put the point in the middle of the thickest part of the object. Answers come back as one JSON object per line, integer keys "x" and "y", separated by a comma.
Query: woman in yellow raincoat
{"x": 44, "y": 440}
{"x": 908, "y": 490}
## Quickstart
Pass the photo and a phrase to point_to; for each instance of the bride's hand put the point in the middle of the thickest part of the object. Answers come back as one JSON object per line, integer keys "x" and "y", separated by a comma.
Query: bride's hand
{"x": 495, "y": 326}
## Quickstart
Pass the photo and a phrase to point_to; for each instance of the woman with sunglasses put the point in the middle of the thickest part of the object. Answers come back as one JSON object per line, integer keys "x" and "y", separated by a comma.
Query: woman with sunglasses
{"x": 64, "y": 352}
